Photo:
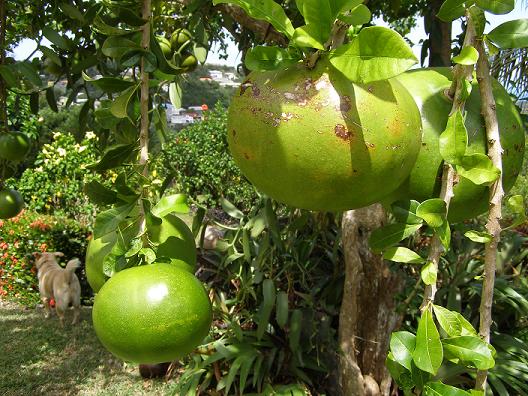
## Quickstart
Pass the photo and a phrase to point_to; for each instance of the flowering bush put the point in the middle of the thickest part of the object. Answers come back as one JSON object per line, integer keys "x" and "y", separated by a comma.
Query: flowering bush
{"x": 54, "y": 184}
{"x": 27, "y": 233}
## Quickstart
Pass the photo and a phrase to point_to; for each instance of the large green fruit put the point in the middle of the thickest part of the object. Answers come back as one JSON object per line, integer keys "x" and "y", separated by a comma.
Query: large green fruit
{"x": 152, "y": 313}
{"x": 14, "y": 146}
{"x": 427, "y": 87}
{"x": 179, "y": 38}
{"x": 176, "y": 244}
{"x": 11, "y": 203}
{"x": 314, "y": 140}
{"x": 165, "y": 46}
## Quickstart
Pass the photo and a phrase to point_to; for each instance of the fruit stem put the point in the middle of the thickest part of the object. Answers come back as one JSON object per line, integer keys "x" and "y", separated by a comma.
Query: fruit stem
{"x": 460, "y": 74}
{"x": 3, "y": 87}
{"x": 496, "y": 193}
{"x": 144, "y": 104}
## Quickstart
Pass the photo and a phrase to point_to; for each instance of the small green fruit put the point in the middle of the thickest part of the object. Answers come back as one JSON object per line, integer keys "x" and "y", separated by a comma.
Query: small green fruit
{"x": 165, "y": 46}
{"x": 11, "y": 203}
{"x": 179, "y": 38}
{"x": 14, "y": 146}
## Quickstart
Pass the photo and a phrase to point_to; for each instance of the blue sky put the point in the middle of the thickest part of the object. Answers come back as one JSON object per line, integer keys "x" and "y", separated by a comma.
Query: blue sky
{"x": 416, "y": 35}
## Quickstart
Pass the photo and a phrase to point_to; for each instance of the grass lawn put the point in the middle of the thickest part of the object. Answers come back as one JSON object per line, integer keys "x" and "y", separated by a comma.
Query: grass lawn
{"x": 38, "y": 357}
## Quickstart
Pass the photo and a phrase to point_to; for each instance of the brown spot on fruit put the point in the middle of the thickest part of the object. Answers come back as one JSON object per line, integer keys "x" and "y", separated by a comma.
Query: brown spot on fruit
{"x": 341, "y": 132}
{"x": 246, "y": 156}
{"x": 233, "y": 132}
{"x": 256, "y": 92}
{"x": 345, "y": 104}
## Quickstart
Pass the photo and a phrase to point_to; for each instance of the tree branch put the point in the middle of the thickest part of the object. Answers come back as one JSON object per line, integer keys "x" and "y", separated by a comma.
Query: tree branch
{"x": 3, "y": 86}
{"x": 448, "y": 174}
{"x": 493, "y": 227}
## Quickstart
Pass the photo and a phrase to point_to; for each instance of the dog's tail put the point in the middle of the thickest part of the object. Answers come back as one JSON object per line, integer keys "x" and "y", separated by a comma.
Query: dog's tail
{"x": 72, "y": 265}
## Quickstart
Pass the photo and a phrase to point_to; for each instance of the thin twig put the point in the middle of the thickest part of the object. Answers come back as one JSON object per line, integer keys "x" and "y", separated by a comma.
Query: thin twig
{"x": 496, "y": 193}
{"x": 144, "y": 104}
{"x": 448, "y": 174}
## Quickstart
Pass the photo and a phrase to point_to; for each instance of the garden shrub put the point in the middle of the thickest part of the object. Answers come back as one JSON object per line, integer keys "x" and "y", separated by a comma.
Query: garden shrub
{"x": 200, "y": 160}
{"x": 30, "y": 232}
{"x": 54, "y": 183}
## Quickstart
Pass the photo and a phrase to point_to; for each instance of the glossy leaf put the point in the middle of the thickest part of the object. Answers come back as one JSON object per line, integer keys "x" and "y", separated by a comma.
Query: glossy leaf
{"x": 454, "y": 140}
{"x": 231, "y": 209}
{"x": 170, "y": 204}
{"x": 29, "y": 71}
{"x": 116, "y": 46}
{"x": 402, "y": 255}
{"x": 266, "y": 10}
{"x": 451, "y": 10}
{"x": 497, "y": 7}
{"x": 433, "y": 211}
{"x": 391, "y": 234}
{"x": 340, "y": 6}
{"x": 9, "y": 76}
{"x": 60, "y": 41}
{"x": 109, "y": 84}
{"x": 100, "y": 194}
{"x": 310, "y": 36}
{"x": 478, "y": 168}
{"x": 402, "y": 345}
{"x": 120, "y": 105}
{"x": 281, "y": 310}
{"x": 72, "y": 12}
{"x": 428, "y": 354}
{"x": 444, "y": 234}
{"x": 400, "y": 374}
{"x": 440, "y": 389}
{"x": 268, "y": 290}
{"x": 478, "y": 236}
{"x": 263, "y": 58}
{"x": 200, "y": 53}
{"x": 175, "y": 95}
{"x": 294, "y": 334}
{"x": 114, "y": 156}
{"x": 109, "y": 220}
{"x": 511, "y": 34}
{"x": 468, "y": 56}
{"x": 358, "y": 16}
{"x": 405, "y": 212}
{"x": 319, "y": 16}
{"x": 376, "y": 53}
{"x": 429, "y": 273}
{"x": 516, "y": 205}
{"x": 469, "y": 349}
{"x": 51, "y": 55}
{"x": 466, "y": 327}
{"x": 50, "y": 98}
{"x": 100, "y": 26}
{"x": 448, "y": 320}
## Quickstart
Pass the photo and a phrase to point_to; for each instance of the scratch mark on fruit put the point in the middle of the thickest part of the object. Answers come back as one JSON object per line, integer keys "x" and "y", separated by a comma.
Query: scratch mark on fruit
{"x": 256, "y": 92}
{"x": 342, "y": 132}
{"x": 370, "y": 145}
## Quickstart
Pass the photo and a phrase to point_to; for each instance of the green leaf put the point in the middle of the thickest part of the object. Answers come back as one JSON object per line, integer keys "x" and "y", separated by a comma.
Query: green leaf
{"x": 266, "y": 10}
{"x": 478, "y": 236}
{"x": 51, "y": 55}
{"x": 376, "y": 53}
{"x": 448, "y": 321}
{"x": 468, "y": 56}
{"x": 511, "y": 34}
{"x": 120, "y": 105}
{"x": 109, "y": 220}
{"x": 9, "y": 76}
{"x": 429, "y": 273}
{"x": 60, "y": 41}
{"x": 444, "y": 234}
{"x": 50, "y": 98}
{"x": 263, "y": 58}
{"x": 516, "y": 204}
{"x": 478, "y": 168}
{"x": 440, "y": 389}
{"x": 268, "y": 291}
{"x": 497, "y": 7}
{"x": 28, "y": 70}
{"x": 309, "y": 36}
{"x": 170, "y": 204}
{"x": 109, "y": 84}
{"x": 100, "y": 194}
{"x": 105, "y": 118}
{"x": 433, "y": 211}
{"x": 116, "y": 46}
{"x": 319, "y": 18}
{"x": 419, "y": 377}
{"x": 72, "y": 12}
{"x": 391, "y": 234}
{"x": 428, "y": 354}
{"x": 467, "y": 328}
{"x": 402, "y": 345}
{"x": 400, "y": 374}
{"x": 454, "y": 140}
{"x": 175, "y": 95}
{"x": 479, "y": 20}
{"x": 466, "y": 89}
{"x": 451, "y": 10}
{"x": 114, "y": 156}
{"x": 294, "y": 334}
{"x": 281, "y": 311}
{"x": 34, "y": 102}
{"x": 402, "y": 255}
{"x": 148, "y": 254}
{"x": 199, "y": 52}
{"x": 469, "y": 349}
{"x": 358, "y": 16}
{"x": 405, "y": 212}
{"x": 231, "y": 209}
{"x": 100, "y": 26}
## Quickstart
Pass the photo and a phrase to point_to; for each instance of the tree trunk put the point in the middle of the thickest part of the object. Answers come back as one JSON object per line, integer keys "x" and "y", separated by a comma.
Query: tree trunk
{"x": 439, "y": 41}
{"x": 368, "y": 314}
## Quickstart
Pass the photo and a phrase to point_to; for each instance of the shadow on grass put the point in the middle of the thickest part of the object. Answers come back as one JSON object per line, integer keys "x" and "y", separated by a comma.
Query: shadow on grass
{"x": 38, "y": 357}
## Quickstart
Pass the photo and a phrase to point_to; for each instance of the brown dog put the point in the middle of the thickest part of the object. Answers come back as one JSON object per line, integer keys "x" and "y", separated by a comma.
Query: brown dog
{"x": 59, "y": 284}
